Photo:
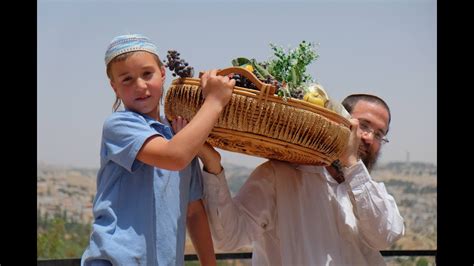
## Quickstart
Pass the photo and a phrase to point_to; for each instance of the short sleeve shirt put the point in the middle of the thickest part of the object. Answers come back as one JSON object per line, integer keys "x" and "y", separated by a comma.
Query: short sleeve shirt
{"x": 139, "y": 210}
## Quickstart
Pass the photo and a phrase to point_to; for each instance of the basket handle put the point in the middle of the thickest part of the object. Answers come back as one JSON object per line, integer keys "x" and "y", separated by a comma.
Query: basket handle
{"x": 263, "y": 87}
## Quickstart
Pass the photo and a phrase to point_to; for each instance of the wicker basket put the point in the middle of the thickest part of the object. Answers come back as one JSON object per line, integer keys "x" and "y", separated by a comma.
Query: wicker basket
{"x": 262, "y": 124}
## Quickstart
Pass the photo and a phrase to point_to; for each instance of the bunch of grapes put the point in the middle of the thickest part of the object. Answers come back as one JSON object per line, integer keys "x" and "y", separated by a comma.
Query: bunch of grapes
{"x": 273, "y": 81}
{"x": 297, "y": 93}
{"x": 242, "y": 81}
{"x": 179, "y": 66}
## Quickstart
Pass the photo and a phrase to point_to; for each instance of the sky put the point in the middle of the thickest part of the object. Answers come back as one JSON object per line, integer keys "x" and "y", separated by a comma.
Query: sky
{"x": 387, "y": 48}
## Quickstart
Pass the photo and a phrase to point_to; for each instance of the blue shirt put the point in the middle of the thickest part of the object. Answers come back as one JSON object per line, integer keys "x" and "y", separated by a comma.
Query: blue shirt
{"x": 139, "y": 210}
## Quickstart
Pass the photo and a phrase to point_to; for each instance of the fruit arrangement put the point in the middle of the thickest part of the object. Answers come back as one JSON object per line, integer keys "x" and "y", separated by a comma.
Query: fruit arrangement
{"x": 286, "y": 71}
{"x": 276, "y": 111}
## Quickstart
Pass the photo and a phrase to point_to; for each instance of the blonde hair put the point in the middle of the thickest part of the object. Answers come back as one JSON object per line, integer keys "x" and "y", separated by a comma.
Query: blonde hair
{"x": 120, "y": 58}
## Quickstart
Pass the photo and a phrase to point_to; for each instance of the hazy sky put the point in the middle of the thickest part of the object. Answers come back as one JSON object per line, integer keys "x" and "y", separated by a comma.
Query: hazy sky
{"x": 388, "y": 48}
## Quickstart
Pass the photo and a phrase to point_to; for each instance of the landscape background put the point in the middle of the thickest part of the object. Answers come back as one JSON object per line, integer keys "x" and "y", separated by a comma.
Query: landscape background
{"x": 384, "y": 47}
{"x": 65, "y": 195}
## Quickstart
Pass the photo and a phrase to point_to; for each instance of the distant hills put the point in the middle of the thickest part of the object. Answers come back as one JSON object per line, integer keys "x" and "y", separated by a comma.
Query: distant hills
{"x": 69, "y": 191}
{"x": 409, "y": 168}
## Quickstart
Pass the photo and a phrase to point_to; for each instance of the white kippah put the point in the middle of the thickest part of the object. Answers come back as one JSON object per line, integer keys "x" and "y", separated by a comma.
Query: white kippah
{"x": 128, "y": 43}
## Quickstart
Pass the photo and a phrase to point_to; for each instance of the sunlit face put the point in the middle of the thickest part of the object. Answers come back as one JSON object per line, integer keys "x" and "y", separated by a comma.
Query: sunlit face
{"x": 375, "y": 118}
{"x": 138, "y": 82}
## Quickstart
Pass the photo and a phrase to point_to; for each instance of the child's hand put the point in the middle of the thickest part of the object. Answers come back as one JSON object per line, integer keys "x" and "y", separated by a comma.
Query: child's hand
{"x": 217, "y": 88}
{"x": 178, "y": 123}
{"x": 210, "y": 158}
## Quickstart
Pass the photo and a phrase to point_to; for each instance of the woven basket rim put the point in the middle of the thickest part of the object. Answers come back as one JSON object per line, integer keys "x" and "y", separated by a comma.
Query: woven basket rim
{"x": 316, "y": 136}
{"x": 330, "y": 114}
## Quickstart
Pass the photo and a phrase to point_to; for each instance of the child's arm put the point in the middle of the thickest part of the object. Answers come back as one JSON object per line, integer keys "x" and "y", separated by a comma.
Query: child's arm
{"x": 198, "y": 228}
{"x": 178, "y": 152}
{"x": 210, "y": 158}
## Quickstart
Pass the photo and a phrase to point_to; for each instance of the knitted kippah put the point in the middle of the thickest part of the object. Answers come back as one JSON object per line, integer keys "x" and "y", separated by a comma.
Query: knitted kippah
{"x": 128, "y": 43}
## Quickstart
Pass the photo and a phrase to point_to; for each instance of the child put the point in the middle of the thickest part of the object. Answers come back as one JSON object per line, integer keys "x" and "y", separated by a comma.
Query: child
{"x": 149, "y": 186}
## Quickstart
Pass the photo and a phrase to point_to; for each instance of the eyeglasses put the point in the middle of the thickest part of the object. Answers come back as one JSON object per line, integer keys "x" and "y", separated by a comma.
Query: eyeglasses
{"x": 367, "y": 129}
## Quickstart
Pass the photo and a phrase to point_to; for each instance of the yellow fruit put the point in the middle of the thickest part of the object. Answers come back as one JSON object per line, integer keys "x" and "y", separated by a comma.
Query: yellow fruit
{"x": 319, "y": 90}
{"x": 248, "y": 67}
{"x": 306, "y": 96}
{"x": 314, "y": 98}
{"x": 316, "y": 95}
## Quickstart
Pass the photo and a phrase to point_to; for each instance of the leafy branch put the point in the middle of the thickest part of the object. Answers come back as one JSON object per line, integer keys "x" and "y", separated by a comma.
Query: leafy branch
{"x": 290, "y": 67}
{"x": 287, "y": 69}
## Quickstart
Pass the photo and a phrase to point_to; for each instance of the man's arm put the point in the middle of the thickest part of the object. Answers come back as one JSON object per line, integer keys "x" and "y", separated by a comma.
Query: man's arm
{"x": 376, "y": 211}
{"x": 236, "y": 222}
{"x": 378, "y": 220}
{"x": 198, "y": 229}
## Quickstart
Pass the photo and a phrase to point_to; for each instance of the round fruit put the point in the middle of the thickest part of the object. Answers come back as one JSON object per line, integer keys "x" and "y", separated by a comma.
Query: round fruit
{"x": 248, "y": 67}
{"x": 314, "y": 98}
{"x": 318, "y": 89}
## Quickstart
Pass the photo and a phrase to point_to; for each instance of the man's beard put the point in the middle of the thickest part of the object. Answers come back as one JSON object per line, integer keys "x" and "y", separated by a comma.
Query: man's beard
{"x": 368, "y": 158}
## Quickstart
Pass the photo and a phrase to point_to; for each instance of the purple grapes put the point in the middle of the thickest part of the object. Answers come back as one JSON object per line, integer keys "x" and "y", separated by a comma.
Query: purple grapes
{"x": 179, "y": 66}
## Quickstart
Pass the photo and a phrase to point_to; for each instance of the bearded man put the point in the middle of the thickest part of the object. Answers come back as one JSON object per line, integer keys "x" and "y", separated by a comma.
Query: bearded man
{"x": 295, "y": 214}
{"x": 374, "y": 120}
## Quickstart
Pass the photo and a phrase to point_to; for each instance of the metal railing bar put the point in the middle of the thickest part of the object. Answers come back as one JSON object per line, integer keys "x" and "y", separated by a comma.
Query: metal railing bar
{"x": 243, "y": 255}
{"x": 413, "y": 253}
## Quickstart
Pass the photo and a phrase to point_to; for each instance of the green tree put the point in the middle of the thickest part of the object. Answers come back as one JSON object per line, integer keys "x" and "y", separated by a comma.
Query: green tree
{"x": 50, "y": 243}
{"x": 58, "y": 239}
{"x": 422, "y": 262}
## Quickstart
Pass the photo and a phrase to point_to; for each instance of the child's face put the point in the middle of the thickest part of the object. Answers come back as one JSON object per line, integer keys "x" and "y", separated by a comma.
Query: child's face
{"x": 138, "y": 82}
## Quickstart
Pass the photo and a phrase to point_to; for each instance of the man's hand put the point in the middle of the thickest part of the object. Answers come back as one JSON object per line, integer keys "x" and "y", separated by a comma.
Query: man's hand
{"x": 210, "y": 158}
{"x": 351, "y": 155}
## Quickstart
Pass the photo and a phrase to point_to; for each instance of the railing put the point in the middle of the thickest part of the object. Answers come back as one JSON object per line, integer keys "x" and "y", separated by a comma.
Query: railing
{"x": 239, "y": 256}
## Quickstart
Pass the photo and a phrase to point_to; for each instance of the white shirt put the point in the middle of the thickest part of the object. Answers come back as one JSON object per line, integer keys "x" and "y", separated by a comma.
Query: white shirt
{"x": 299, "y": 215}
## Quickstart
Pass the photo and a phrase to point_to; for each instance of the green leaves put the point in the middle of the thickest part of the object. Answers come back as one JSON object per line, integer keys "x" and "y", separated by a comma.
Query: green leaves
{"x": 290, "y": 66}
{"x": 240, "y": 61}
{"x": 259, "y": 70}
{"x": 287, "y": 69}
{"x": 58, "y": 238}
